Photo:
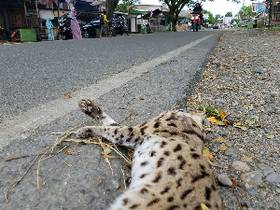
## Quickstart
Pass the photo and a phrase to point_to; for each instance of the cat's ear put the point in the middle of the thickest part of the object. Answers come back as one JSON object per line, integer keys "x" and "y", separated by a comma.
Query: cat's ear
{"x": 199, "y": 117}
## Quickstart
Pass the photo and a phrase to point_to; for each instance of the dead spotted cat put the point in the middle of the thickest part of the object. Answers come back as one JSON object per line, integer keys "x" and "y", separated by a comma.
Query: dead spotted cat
{"x": 169, "y": 171}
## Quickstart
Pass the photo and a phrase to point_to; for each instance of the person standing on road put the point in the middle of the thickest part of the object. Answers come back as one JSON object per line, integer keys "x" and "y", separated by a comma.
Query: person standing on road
{"x": 104, "y": 23}
{"x": 50, "y": 29}
{"x": 75, "y": 27}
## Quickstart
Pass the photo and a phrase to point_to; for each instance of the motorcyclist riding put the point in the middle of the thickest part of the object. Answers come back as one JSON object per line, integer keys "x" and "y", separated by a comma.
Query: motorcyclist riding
{"x": 197, "y": 17}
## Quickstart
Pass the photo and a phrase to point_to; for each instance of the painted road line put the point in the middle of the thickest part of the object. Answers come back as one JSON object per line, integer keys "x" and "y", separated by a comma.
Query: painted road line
{"x": 22, "y": 125}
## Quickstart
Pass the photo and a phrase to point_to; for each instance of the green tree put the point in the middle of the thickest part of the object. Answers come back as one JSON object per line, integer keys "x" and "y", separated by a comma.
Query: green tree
{"x": 246, "y": 13}
{"x": 211, "y": 19}
{"x": 229, "y": 14}
{"x": 111, "y": 6}
{"x": 175, "y": 7}
{"x": 124, "y": 5}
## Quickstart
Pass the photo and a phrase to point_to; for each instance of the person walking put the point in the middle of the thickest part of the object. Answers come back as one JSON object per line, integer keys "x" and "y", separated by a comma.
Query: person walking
{"x": 75, "y": 27}
{"x": 104, "y": 24}
{"x": 50, "y": 29}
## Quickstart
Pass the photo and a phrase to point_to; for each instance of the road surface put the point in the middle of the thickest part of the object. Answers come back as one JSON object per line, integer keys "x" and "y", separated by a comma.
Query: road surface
{"x": 134, "y": 78}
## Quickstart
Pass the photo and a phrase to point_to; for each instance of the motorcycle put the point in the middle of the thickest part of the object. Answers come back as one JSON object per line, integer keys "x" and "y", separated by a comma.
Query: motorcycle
{"x": 119, "y": 25}
{"x": 89, "y": 30}
{"x": 64, "y": 27}
{"x": 196, "y": 22}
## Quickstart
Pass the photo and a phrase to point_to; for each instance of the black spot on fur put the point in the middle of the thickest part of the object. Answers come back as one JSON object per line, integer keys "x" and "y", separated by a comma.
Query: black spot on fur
{"x": 142, "y": 176}
{"x": 125, "y": 201}
{"x": 131, "y": 134}
{"x": 163, "y": 143}
{"x": 185, "y": 205}
{"x": 185, "y": 193}
{"x": 197, "y": 207}
{"x": 180, "y": 157}
{"x": 144, "y": 163}
{"x": 114, "y": 124}
{"x": 177, "y": 148}
{"x": 142, "y": 130}
{"x": 171, "y": 171}
{"x": 128, "y": 140}
{"x": 134, "y": 206}
{"x": 121, "y": 136}
{"x": 182, "y": 164}
{"x": 130, "y": 129}
{"x": 115, "y": 131}
{"x": 167, "y": 153}
{"x": 170, "y": 199}
{"x": 166, "y": 189}
{"x": 192, "y": 150}
{"x": 160, "y": 161}
{"x": 143, "y": 190}
{"x": 157, "y": 178}
{"x": 213, "y": 187}
{"x": 194, "y": 124}
{"x": 202, "y": 167}
{"x": 153, "y": 153}
{"x": 136, "y": 140}
{"x": 173, "y": 207}
{"x": 172, "y": 125}
{"x": 178, "y": 182}
{"x": 207, "y": 193}
{"x": 156, "y": 125}
{"x": 195, "y": 156}
{"x": 153, "y": 202}
{"x": 200, "y": 176}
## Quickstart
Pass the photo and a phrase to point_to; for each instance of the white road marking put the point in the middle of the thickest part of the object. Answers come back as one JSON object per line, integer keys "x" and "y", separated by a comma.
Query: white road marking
{"x": 22, "y": 125}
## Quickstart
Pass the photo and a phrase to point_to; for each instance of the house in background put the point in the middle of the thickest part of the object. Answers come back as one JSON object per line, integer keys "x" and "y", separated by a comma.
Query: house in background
{"x": 143, "y": 14}
{"x": 276, "y": 12}
{"x": 12, "y": 14}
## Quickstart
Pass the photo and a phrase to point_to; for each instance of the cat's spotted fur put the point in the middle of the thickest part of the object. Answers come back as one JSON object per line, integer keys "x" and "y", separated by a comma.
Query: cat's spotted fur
{"x": 168, "y": 171}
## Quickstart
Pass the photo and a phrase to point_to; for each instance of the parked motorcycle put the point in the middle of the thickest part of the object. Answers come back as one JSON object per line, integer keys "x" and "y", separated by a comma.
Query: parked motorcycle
{"x": 64, "y": 27}
{"x": 89, "y": 30}
{"x": 119, "y": 25}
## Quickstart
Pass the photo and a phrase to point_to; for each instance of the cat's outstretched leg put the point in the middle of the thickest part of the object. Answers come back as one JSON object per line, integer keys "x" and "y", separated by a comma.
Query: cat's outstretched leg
{"x": 121, "y": 135}
{"x": 110, "y": 130}
{"x": 91, "y": 108}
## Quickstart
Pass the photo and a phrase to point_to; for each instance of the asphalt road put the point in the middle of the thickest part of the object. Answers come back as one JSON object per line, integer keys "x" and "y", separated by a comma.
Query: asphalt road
{"x": 34, "y": 73}
{"x": 134, "y": 77}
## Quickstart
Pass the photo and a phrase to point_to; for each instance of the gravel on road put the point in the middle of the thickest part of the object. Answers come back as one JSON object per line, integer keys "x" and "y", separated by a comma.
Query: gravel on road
{"x": 241, "y": 79}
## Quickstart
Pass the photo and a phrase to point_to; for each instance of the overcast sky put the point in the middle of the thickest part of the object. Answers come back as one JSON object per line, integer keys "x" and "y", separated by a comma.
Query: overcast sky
{"x": 216, "y": 7}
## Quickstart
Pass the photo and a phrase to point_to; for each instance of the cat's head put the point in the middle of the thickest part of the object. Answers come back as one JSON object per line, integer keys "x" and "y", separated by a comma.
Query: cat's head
{"x": 198, "y": 117}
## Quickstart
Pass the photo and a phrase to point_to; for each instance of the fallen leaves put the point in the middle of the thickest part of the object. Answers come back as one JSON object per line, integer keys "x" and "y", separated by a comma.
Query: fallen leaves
{"x": 270, "y": 136}
{"x": 215, "y": 116}
{"x": 215, "y": 121}
{"x": 240, "y": 126}
{"x": 224, "y": 147}
{"x": 209, "y": 155}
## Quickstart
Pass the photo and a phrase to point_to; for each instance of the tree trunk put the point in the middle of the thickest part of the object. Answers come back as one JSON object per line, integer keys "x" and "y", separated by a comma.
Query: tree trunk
{"x": 174, "y": 20}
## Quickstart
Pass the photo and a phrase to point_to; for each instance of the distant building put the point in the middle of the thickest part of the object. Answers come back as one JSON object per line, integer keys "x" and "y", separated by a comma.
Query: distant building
{"x": 276, "y": 12}
{"x": 144, "y": 14}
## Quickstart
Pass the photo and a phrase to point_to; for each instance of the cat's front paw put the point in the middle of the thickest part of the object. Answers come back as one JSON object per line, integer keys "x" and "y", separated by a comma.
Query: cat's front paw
{"x": 84, "y": 133}
{"x": 90, "y": 108}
